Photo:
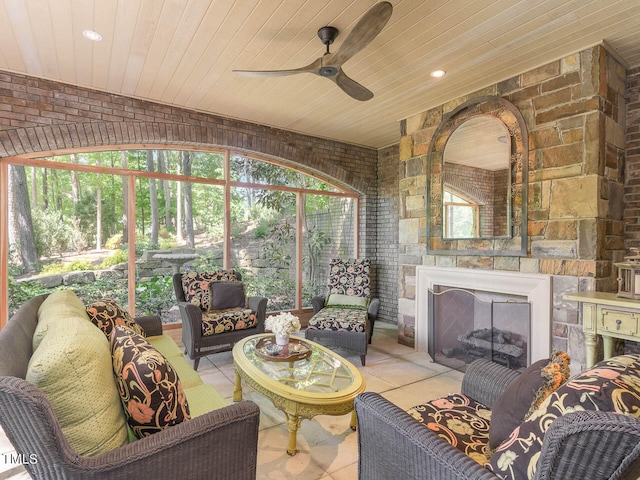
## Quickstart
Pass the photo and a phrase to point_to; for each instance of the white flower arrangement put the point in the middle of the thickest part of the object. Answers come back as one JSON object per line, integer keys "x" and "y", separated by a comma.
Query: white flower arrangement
{"x": 282, "y": 324}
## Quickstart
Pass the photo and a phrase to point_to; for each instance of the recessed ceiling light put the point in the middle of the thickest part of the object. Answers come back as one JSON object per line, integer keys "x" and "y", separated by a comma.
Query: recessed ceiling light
{"x": 437, "y": 73}
{"x": 91, "y": 35}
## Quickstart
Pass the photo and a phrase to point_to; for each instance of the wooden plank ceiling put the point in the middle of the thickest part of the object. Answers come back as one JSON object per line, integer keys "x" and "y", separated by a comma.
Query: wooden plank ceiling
{"x": 181, "y": 52}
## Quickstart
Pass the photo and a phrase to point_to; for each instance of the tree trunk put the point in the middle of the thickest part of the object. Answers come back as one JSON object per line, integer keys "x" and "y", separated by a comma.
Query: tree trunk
{"x": 188, "y": 199}
{"x": 98, "y": 210}
{"x": 34, "y": 188}
{"x": 163, "y": 168}
{"x": 179, "y": 206}
{"x": 45, "y": 189}
{"x": 22, "y": 224}
{"x": 153, "y": 202}
{"x": 125, "y": 198}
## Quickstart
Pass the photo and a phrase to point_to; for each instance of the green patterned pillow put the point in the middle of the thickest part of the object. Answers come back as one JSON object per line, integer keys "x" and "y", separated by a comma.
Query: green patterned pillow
{"x": 607, "y": 387}
{"x": 106, "y": 313}
{"x": 149, "y": 387}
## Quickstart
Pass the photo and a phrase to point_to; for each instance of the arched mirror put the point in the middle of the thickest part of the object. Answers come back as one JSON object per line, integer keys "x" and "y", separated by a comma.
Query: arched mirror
{"x": 477, "y": 181}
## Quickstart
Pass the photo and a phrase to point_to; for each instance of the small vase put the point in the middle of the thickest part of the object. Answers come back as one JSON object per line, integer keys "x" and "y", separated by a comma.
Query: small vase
{"x": 282, "y": 340}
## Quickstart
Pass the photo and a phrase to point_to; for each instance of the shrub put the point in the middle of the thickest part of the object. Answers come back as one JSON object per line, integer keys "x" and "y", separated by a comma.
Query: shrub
{"x": 119, "y": 256}
{"x": 61, "y": 267}
{"x": 113, "y": 242}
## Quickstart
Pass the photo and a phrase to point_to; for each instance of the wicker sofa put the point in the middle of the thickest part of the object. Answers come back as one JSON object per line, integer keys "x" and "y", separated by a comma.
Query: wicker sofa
{"x": 218, "y": 441}
{"x": 583, "y": 444}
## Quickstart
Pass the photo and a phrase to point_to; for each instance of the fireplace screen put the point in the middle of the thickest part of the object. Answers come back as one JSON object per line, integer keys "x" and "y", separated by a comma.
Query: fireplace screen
{"x": 471, "y": 324}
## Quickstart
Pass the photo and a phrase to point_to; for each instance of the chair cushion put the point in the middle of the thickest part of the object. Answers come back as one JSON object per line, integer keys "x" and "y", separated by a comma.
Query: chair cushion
{"x": 525, "y": 394}
{"x": 460, "y": 421}
{"x": 221, "y": 321}
{"x": 72, "y": 367}
{"x": 339, "y": 319}
{"x": 196, "y": 286}
{"x": 346, "y": 301}
{"x": 106, "y": 313}
{"x": 149, "y": 387}
{"x": 610, "y": 386}
{"x": 349, "y": 277}
{"x": 227, "y": 295}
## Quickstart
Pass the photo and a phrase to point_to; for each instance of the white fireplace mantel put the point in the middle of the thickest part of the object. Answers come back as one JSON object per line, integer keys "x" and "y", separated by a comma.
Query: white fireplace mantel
{"x": 535, "y": 287}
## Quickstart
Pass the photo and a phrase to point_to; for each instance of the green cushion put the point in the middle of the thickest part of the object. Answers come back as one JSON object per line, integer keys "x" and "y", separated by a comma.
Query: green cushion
{"x": 203, "y": 399}
{"x": 340, "y": 300}
{"x": 165, "y": 345}
{"x": 72, "y": 366}
{"x": 59, "y": 305}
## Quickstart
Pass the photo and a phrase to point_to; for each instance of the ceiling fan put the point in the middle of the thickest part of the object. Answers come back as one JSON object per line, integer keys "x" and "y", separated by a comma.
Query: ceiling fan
{"x": 330, "y": 64}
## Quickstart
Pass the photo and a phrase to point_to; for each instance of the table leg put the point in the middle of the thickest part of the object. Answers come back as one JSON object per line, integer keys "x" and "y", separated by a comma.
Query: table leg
{"x": 608, "y": 344}
{"x": 237, "y": 391}
{"x": 293, "y": 423}
{"x": 590, "y": 347}
{"x": 353, "y": 421}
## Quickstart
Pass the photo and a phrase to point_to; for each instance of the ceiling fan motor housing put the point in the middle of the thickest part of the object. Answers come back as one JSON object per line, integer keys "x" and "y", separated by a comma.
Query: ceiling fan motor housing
{"x": 328, "y": 35}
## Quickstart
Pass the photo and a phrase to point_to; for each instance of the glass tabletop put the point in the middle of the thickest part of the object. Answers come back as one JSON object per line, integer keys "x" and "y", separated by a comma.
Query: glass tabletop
{"x": 321, "y": 372}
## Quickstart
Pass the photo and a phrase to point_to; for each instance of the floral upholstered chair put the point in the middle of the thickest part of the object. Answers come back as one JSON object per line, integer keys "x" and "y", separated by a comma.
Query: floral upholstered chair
{"x": 215, "y": 311}
{"x": 345, "y": 317}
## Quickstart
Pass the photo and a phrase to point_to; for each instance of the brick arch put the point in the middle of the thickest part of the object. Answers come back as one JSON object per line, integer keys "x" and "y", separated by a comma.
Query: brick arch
{"x": 76, "y": 137}
{"x": 43, "y": 116}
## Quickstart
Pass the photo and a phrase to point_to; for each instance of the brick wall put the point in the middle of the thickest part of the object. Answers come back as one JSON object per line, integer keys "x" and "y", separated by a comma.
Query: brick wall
{"x": 39, "y": 117}
{"x": 387, "y": 231}
{"x": 632, "y": 170}
{"x": 574, "y": 109}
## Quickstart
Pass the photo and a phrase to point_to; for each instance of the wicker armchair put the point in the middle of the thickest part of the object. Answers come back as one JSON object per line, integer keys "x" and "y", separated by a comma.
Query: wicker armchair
{"x": 347, "y": 326}
{"x": 588, "y": 444}
{"x": 200, "y": 341}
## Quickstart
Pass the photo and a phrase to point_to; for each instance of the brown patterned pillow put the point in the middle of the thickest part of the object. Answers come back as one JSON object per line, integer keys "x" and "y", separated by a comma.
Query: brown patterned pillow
{"x": 106, "y": 313}
{"x": 149, "y": 387}
{"x": 196, "y": 286}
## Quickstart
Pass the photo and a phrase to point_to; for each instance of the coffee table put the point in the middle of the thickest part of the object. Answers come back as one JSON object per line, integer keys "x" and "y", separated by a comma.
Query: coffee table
{"x": 322, "y": 384}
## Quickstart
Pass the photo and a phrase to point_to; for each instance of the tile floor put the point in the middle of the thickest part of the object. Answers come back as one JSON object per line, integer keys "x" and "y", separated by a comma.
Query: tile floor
{"x": 327, "y": 446}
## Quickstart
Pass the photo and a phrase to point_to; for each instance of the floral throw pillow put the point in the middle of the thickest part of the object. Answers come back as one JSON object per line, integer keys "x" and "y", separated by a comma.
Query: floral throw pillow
{"x": 149, "y": 387}
{"x": 610, "y": 386}
{"x": 349, "y": 277}
{"x": 106, "y": 314}
{"x": 196, "y": 286}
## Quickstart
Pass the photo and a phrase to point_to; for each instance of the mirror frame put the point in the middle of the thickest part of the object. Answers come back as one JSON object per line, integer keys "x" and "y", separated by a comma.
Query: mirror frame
{"x": 515, "y": 244}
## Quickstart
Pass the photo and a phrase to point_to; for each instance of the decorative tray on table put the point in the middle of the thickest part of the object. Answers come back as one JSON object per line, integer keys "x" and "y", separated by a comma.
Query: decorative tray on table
{"x": 267, "y": 349}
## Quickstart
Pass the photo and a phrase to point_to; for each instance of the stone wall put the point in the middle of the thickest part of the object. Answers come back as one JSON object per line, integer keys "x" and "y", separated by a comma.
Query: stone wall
{"x": 574, "y": 110}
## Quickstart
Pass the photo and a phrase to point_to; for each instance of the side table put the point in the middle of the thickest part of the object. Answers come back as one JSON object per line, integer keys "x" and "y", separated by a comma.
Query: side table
{"x": 609, "y": 316}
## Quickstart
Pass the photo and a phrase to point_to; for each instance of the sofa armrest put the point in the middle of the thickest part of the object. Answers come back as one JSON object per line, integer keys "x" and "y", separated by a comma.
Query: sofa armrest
{"x": 151, "y": 324}
{"x": 392, "y": 444}
{"x": 317, "y": 303}
{"x": 591, "y": 444}
{"x": 484, "y": 381}
{"x": 182, "y": 451}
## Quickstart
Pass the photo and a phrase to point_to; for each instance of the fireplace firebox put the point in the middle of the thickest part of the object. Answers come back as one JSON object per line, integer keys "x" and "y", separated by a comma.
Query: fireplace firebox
{"x": 470, "y": 324}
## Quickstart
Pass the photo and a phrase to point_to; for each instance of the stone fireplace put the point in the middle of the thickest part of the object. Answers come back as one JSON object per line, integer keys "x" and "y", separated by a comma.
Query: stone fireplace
{"x": 532, "y": 290}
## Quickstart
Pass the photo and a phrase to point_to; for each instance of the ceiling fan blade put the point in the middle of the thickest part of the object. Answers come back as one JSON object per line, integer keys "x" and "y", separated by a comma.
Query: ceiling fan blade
{"x": 313, "y": 67}
{"x": 351, "y": 87}
{"x": 367, "y": 28}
